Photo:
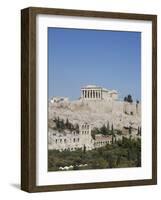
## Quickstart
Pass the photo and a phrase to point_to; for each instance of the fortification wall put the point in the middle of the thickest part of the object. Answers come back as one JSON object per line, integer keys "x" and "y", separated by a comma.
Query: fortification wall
{"x": 103, "y": 106}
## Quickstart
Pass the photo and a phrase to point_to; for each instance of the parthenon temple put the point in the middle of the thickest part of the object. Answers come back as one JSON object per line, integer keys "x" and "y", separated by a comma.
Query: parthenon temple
{"x": 93, "y": 92}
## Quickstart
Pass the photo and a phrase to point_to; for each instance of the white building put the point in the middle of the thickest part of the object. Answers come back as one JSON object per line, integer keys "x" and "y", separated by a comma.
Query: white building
{"x": 102, "y": 140}
{"x": 93, "y": 92}
{"x": 59, "y": 99}
{"x": 77, "y": 140}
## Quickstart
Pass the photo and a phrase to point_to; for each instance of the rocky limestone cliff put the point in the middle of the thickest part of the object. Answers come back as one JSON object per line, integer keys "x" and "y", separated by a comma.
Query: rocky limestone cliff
{"x": 97, "y": 113}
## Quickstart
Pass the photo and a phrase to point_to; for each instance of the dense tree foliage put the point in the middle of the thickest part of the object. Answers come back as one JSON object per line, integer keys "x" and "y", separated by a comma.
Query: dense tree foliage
{"x": 139, "y": 131}
{"x": 105, "y": 130}
{"x": 125, "y": 153}
{"x": 128, "y": 98}
{"x": 60, "y": 125}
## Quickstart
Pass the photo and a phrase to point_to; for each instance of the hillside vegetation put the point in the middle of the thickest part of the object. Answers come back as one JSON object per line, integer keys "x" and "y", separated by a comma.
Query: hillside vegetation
{"x": 125, "y": 153}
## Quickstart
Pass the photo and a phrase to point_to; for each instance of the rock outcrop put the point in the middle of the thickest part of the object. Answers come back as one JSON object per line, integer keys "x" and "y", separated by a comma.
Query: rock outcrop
{"x": 97, "y": 113}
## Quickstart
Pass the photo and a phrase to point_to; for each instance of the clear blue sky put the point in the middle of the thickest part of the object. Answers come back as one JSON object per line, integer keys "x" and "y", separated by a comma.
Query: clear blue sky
{"x": 78, "y": 57}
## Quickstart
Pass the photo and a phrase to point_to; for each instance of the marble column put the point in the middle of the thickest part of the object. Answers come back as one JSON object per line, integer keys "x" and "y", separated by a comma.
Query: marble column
{"x": 93, "y": 94}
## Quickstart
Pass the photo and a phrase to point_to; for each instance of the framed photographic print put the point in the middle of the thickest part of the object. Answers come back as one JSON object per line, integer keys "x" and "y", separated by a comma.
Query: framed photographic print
{"x": 88, "y": 99}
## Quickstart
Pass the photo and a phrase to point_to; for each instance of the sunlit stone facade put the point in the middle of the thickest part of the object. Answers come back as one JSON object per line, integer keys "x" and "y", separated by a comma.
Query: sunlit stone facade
{"x": 77, "y": 140}
{"x": 93, "y": 92}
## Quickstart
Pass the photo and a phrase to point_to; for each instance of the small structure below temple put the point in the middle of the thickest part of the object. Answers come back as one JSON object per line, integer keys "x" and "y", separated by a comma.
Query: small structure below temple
{"x": 77, "y": 140}
{"x": 59, "y": 99}
{"x": 102, "y": 140}
{"x": 93, "y": 92}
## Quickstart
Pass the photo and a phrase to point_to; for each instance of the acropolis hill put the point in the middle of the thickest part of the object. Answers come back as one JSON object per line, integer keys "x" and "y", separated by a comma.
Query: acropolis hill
{"x": 97, "y": 106}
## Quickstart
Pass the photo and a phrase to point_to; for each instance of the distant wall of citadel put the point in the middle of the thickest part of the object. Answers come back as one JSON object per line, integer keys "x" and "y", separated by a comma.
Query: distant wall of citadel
{"x": 104, "y": 106}
{"x": 118, "y": 109}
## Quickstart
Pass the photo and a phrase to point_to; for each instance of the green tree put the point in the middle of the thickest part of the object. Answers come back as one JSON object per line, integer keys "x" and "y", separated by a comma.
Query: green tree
{"x": 84, "y": 149}
{"x": 113, "y": 139}
{"x": 138, "y": 131}
{"x": 77, "y": 127}
{"x": 118, "y": 160}
{"x": 58, "y": 122}
{"x": 61, "y": 124}
{"x": 111, "y": 161}
{"x": 108, "y": 126}
{"x": 129, "y": 98}
{"x": 93, "y": 133}
{"x": 130, "y": 130}
{"x": 112, "y": 132}
{"x": 67, "y": 123}
{"x": 125, "y": 99}
{"x": 103, "y": 130}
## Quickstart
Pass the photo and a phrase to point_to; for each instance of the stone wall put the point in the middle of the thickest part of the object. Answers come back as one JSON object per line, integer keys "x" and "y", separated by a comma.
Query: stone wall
{"x": 97, "y": 113}
{"x": 71, "y": 140}
{"x": 76, "y": 140}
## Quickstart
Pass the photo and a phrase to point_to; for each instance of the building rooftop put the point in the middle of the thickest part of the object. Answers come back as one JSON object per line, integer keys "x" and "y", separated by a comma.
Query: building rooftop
{"x": 99, "y": 87}
{"x": 113, "y": 91}
{"x": 100, "y": 137}
{"x": 105, "y": 89}
{"x": 91, "y": 86}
